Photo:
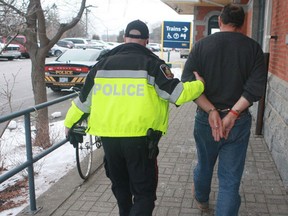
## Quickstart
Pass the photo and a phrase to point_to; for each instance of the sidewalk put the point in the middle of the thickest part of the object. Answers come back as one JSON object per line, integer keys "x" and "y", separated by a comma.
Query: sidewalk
{"x": 262, "y": 191}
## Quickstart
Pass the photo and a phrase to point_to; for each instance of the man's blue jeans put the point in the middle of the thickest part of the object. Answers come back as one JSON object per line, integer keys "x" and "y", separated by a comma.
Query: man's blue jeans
{"x": 231, "y": 154}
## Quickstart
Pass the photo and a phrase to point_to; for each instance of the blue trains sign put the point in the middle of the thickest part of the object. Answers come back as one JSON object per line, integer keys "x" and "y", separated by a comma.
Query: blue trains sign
{"x": 176, "y": 34}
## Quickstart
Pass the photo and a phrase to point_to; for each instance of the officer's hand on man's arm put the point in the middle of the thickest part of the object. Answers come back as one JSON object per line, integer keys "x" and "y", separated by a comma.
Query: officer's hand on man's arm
{"x": 198, "y": 77}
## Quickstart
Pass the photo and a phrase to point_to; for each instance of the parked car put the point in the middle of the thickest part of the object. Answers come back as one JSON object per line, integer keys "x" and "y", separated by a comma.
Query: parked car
{"x": 155, "y": 47}
{"x": 19, "y": 40}
{"x": 66, "y": 44}
{"x": 71, "y": 68}
{"x": 50, "y": 53}
{"x": 148, "y": 47}
{"x": 98, "y": 44}
{"x": 113, "y": 44}
{"x": 78, "y": 42}
{"x": 12, "y": 51}
{"x": 58, "y": 50}
{"x": 184, "y": 53}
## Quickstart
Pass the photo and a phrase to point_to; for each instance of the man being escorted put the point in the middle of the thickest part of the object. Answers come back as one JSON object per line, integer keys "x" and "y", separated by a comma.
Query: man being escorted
{"x": 127, "y": 95}
{"x": 233, "y": 68}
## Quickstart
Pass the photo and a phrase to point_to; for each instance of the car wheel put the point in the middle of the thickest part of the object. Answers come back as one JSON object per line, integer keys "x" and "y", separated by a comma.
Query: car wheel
{"x": 25, "y": 55}
{"x": 57, "y": 53}
{"x": 10, "y": 58}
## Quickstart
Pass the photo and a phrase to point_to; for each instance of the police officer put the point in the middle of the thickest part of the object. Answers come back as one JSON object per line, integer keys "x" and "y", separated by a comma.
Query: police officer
{"x": 127, "y": 94}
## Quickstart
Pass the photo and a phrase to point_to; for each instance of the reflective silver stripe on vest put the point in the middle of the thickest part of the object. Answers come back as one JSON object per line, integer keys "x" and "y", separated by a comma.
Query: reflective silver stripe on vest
{"x": 151, "y": 80}
{"x": 126, "y": 74}
{"x": 84, "y": 107}
{"x": 121, "y": 74}
{"x": 175, "y": 94}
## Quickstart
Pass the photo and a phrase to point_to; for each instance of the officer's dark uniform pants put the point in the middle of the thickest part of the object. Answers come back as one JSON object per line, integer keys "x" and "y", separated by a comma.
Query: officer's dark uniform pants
{"x": 133, "y": 175}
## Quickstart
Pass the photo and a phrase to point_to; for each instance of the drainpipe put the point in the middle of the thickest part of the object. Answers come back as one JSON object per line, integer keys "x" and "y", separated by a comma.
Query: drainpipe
{"x": 265, "y": 8}
{"x": 261, "y": 103}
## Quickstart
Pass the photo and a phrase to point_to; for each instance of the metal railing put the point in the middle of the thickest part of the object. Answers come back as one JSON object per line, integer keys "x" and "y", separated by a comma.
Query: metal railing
{"x": 30, "y": 159}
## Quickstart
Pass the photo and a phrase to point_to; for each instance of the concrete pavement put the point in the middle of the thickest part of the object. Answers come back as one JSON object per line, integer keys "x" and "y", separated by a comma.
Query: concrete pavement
{"x": 262, "y": 190}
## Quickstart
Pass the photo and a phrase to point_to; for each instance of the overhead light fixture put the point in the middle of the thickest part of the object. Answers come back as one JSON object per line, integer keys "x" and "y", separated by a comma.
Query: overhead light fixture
{"x": 178, "y": 10}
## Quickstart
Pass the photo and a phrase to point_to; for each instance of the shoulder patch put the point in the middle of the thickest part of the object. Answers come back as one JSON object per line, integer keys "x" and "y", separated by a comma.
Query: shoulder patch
{"x": 166, "y": 71}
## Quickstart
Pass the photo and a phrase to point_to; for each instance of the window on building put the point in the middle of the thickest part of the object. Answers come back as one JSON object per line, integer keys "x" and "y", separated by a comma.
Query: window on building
{"x": 213, "y": 25}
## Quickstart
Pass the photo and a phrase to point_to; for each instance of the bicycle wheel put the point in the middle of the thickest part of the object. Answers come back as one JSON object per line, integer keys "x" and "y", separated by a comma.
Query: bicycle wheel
{"x": 84, "y": 154}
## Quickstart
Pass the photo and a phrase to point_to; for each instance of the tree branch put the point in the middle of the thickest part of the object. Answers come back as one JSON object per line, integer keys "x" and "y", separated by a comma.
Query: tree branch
{"x": 65, "y": 27}
{"x": 12, "y": 7}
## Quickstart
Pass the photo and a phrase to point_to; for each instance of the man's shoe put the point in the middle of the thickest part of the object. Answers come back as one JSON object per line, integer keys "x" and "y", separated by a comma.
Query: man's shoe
{"x": 203, "y": 206}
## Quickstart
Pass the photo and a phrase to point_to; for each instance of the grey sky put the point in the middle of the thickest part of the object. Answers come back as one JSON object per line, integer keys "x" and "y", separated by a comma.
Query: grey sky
{"x": 113, "y": 15}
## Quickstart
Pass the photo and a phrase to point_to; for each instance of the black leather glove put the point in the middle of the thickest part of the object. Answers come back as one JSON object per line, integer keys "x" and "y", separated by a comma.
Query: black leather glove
{"x": 75, "y": 138}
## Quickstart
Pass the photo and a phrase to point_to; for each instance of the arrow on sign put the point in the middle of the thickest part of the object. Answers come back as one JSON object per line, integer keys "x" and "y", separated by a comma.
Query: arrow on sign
{"x": 185, "y": 29}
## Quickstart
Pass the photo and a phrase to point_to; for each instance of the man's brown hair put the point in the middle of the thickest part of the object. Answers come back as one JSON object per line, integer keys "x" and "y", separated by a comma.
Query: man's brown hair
{"x": 233, "y": 14}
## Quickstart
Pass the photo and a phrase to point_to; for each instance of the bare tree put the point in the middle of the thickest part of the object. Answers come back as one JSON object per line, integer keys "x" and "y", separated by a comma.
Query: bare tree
{"x": 10, "y": 21}
{"x": 6, "y": 93}
{"x": 35, "y": 29}
{"x": 77, "y": 31}
{"x": 52, "y": 20}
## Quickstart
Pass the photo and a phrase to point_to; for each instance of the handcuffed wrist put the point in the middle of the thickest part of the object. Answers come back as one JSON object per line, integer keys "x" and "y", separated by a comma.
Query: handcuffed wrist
{"x": 235, "y": 112}
{"x": 211, "y": 110}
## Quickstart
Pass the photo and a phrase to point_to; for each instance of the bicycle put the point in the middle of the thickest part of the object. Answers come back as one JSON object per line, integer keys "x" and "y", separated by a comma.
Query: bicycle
{"x": 84, "y": 150}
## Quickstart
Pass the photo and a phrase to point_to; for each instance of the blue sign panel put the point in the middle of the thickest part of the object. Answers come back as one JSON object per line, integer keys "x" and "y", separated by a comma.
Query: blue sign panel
{"x": 176, "y": 34}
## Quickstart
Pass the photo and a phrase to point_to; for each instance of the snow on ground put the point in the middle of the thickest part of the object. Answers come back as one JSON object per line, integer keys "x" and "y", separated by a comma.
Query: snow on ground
{"x": 49, "y": 169}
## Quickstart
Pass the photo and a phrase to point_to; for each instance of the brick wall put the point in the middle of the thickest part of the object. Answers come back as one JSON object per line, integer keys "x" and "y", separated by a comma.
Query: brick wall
{"x": 203, "y": 11}
{"x": 202, "y": 15}
{"x": 248, "y": 22}
{"x": 275, "y": 128}
{"x": 278, "y": 49}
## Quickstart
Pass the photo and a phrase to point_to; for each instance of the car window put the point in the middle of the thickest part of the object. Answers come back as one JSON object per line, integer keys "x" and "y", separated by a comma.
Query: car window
{"x": 77, "y": 41}
{"x": 63, "y": 43}
{"x": 79, "y": 55}
{"x": 17, "y": 39}
{"x": 11, "y": 48}
{"x": 60, "y": 43}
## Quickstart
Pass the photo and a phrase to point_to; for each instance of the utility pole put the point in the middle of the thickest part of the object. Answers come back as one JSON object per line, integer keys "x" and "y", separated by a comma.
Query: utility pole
{"x": 107, "y": 30}
{"x": 86, "y": 16}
